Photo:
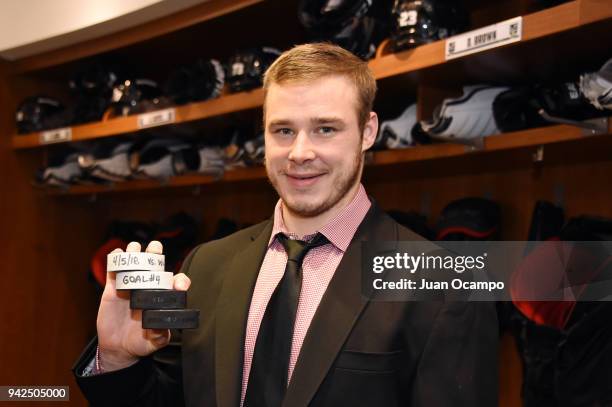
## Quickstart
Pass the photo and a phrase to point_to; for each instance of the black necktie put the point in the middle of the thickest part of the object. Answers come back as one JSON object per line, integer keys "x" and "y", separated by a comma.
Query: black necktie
{"x": 268, "y": 377}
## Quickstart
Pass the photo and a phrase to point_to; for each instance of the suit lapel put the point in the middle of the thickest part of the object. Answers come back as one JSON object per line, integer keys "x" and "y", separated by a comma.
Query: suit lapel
{"x": 233, "y": 309}
{"x": 338, "y": 311}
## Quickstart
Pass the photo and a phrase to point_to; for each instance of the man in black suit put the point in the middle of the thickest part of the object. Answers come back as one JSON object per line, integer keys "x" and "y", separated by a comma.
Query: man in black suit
{"x": 335, "y": 347}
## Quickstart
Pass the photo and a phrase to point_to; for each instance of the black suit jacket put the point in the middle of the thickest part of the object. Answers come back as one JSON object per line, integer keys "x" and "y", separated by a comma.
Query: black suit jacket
{"x": 356, "y": 352}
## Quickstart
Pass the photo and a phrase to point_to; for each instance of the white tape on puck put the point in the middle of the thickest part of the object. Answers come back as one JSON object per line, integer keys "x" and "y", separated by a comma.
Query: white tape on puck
{"x": 143, "y": 280}
{"x": 131, "y": 261}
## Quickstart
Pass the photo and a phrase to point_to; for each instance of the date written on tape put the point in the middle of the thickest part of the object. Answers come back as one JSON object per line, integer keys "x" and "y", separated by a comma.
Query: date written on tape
{"x": 156, "y": 118}
{"x": 144, "y": 280}
{"x": 128, "y": 261}
{"x": 492, "y": 36}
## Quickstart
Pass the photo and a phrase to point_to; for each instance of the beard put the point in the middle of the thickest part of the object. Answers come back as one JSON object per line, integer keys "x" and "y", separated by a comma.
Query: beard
{"x": 340, "y": 186}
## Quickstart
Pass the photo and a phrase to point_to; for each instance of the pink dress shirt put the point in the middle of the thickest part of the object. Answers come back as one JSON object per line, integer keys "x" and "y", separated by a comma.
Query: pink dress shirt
{"x": 318, "y": 269}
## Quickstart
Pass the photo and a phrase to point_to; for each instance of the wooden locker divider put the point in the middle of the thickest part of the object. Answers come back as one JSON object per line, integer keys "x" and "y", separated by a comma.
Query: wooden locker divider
{"x": 430, "y": 96}
{"x": 48, "y": 306}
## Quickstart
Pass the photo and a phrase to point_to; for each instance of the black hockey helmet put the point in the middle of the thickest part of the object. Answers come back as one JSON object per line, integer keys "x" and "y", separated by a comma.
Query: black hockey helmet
{"x": 417, "y": 22}
{"x": 38, "y": 113}
{"x": 93, "y": 91}
{"x": 135, "y": 96}
{"x": 356, "y": 25}
{"x": 361, "y": 37}
{"x": 95, "y": 81}
{"x": 245, "y": 69}
{"x": 327, "y": 17}
{"x": 200, "y": 81}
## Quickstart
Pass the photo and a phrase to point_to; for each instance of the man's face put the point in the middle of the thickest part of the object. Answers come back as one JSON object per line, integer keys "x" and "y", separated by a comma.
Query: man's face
{"x": 313, "y": 143}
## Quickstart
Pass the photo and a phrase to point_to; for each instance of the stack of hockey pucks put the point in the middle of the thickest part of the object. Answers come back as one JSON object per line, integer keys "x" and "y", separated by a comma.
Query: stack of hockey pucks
{"x": 151, "y": 290}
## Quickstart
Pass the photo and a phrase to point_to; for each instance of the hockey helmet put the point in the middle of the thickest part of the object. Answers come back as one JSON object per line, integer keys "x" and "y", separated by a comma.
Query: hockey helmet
{"x": 245, "y": 69}
{"x": 417, "y": 22}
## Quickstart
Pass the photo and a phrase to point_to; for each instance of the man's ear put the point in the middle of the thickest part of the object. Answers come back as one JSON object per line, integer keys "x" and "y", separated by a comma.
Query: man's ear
{"x": 370, "y": 130}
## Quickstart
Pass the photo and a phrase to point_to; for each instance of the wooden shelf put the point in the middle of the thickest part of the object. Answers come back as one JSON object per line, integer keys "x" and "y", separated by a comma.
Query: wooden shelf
{"x": 507, "y": 141}
{"x": 128, "y": 124}
{"x": 521, "y": 139}
{"x": 238, "y": 174}
{"x": 539, "y": 25}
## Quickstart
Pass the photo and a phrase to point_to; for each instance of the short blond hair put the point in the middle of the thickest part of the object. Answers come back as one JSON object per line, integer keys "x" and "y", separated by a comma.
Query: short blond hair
{"x": 309, "y": 62}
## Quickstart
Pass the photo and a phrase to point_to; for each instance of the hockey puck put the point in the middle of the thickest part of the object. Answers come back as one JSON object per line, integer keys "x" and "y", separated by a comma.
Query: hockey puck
{"x": 170, "y": 319}
{"x": 158, "y": 299}
{"x": 129, "y": 261}
{"x": 144, "y": 280}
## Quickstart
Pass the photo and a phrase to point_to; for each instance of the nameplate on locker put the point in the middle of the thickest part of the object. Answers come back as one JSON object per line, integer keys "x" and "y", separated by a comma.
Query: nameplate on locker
{"x": 56, "y": 135}
{"x": 156, "y": 118}
{"x": 492, "y": 36}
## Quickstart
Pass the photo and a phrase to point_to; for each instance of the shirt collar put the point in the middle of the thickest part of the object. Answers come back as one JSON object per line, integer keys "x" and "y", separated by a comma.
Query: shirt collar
{"x": 339, "y": 230}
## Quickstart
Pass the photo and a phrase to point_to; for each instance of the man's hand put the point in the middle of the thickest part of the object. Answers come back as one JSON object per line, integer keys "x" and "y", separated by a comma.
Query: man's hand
{"x": 121, "y": 339}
